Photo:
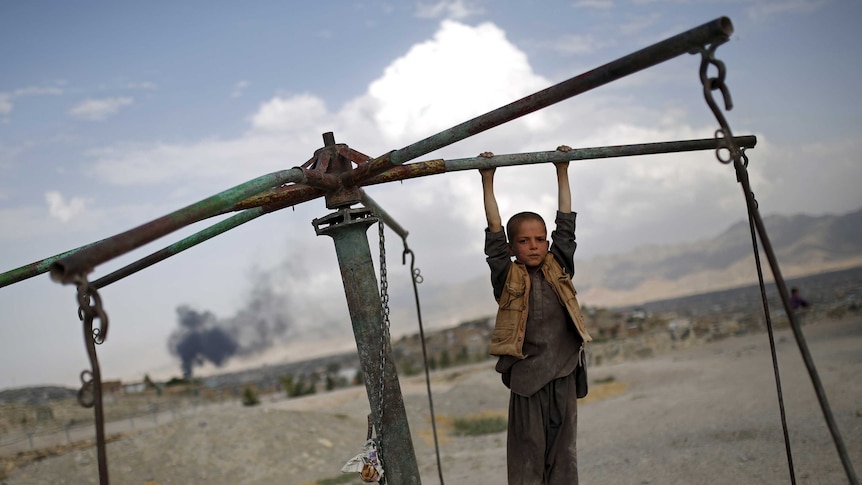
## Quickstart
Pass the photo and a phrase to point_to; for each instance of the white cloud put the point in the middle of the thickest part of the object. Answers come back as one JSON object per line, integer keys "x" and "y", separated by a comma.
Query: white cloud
{"x": 7, "y": 98}
{"x": 289, "y": 114}
{"x": 145, "y": 85}
{"x": 5, "y": 103}
{"x": 768, "y": 8}
{"x": 239, "y": 89}
{"x": 598, "y": 4}
{"x": 417, "y": 95}
{"x": 462, "y": 72}
{"x": 639, "y": 24}
{"x": 450, "y": 9}
{"x": 99, "y": 109}
{"x": 575, "y": 44}
{"x": 38, "y": 91}
{"x": 63, "y": 210}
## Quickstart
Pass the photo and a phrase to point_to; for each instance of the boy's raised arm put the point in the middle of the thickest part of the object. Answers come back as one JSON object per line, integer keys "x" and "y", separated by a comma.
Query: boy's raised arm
{"x": 492, "y": 212}
{"x": 564, "y": 192}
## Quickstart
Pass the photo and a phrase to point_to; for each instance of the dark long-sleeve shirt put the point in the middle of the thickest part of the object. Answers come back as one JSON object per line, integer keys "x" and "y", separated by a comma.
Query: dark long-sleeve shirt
{"x": 551, "y": 341}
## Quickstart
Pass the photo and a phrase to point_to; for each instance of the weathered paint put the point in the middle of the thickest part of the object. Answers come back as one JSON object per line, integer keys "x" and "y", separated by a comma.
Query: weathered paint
{"x": 718, "y": 30}
{"x": 180, "y": 246}
{"x": 574, "y": 154}
{"x": 290, "y": 195}
{"x": 347, "y": 228}
{"x": 388, "y": 221}
{"x": 84, "y": 260}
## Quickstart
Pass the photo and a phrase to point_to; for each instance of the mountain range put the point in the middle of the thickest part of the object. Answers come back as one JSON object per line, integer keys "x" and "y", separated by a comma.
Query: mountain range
{"x": 804, "y": 245}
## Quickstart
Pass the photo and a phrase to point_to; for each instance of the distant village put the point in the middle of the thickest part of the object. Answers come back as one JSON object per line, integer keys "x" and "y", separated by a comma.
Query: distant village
{"x": 619, "y": 334}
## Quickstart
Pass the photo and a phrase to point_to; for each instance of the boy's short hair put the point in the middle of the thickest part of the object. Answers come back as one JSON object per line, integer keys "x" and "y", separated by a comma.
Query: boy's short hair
{"x": 516, "y": 220}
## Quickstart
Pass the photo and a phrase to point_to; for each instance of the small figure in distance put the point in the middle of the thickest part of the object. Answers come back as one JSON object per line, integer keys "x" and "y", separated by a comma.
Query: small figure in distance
{"x": 796, "y": 300}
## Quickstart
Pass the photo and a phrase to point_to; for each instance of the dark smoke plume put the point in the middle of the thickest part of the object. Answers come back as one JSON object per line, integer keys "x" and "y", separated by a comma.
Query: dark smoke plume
{"x": 202, "y": 337}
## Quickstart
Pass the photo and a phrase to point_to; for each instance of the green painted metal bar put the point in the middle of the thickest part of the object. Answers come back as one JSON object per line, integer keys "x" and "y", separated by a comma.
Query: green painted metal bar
{"x": 286, "y": 196}
{"x": 574, "y": 154}
{"x": 434, "y": 167}
{"x": 718, "y": 30}
{"x": 295, "y": 195}
{"x": 180, "y": 246}
{"x": 347, "y": 228}
{"x": 388, "y": 220}
{"x": 84, "y": 260}
{"x": 34, "y": 269}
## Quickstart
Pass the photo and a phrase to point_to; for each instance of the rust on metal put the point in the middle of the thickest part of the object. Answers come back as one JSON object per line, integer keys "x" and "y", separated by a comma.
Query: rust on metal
{"x": 279, "y": 198}
{"x": 409, "y": 171}
{"x": 82, "y": 262}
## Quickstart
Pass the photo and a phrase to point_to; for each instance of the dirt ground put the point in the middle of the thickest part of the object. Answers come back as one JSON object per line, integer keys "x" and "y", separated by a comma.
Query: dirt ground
{"x": 703, "y": 415}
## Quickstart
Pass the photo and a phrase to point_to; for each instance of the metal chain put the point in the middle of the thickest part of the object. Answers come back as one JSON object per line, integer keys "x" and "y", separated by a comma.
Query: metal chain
{"x": 384, "y": 339}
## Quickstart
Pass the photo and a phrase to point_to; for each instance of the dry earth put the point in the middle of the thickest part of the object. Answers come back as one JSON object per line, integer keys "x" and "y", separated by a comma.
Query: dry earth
{"x": 703, "y": 415}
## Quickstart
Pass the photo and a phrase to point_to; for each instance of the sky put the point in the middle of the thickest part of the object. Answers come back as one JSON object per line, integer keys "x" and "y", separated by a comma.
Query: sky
{"x": 113, "y": 114}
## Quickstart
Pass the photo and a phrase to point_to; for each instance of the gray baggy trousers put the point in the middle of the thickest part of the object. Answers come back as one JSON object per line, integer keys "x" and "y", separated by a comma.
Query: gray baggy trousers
{"x": 541, "y": 444}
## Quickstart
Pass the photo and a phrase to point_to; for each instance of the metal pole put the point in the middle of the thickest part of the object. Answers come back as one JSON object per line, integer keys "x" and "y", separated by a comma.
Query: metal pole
{"x": 180, "y": 246}
{"x": 347, "y": 227}
{"x": 84, "y": 260}
{"x": 289, "y": 195}
{"x": 718, "y": 30}
{"x": 434, "y": 167}
{"x": 391, "y": 223}
{"x": 754, "y": 214}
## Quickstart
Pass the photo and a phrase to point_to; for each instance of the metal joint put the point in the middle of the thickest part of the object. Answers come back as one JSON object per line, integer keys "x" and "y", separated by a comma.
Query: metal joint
{"x": 342, "y": 217}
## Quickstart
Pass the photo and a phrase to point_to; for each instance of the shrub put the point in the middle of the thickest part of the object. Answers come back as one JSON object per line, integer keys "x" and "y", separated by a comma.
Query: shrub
{"x": 249, "y": 397}
{"x": 479, "y": 425}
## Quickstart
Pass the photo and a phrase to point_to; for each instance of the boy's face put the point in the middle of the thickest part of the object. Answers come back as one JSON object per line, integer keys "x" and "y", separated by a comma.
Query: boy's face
{"x": 530, "y": 243}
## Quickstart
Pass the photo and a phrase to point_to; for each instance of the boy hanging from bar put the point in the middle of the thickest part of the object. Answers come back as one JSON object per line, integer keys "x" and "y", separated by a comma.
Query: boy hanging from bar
{"x": 539, "y": 336}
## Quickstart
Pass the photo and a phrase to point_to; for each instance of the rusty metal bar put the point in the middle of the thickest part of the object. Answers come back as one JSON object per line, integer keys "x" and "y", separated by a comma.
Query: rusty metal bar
{"x": 279, "y": 198}
{"x": 301, "y": 193}
{"x": 433, "y": 167}
{"x": 84, "y": 260}
{"x": 290, "y": 195}
{"x": 282, "y": 197}
{"x": 180, "y": 246}
{"x": 718, "y": 30}
{"x": 573, "y": 154}
{"x": 391, "y": 223}
{"x": 34, "y": 269}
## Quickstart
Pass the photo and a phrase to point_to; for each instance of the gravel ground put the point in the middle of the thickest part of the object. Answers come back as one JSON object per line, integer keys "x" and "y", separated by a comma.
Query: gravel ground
{"x": 704, "y": 415}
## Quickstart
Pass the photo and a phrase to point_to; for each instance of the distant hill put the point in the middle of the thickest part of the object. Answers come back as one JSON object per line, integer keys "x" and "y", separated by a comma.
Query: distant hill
{"x": 37, "y": 395}
{"x": 803, "y": 244}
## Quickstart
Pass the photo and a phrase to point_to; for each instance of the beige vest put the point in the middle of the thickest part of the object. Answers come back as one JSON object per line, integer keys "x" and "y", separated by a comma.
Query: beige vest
{"x": 511, "y": 324}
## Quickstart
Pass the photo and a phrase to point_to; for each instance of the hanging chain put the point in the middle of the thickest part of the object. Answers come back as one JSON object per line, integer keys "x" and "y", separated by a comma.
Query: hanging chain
{"x": 90, "y": 394}
{"x": 384, "y": 339}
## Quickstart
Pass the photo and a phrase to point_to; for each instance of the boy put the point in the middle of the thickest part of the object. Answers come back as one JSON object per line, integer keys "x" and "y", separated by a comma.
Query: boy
{"x": 539, "y": 336}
